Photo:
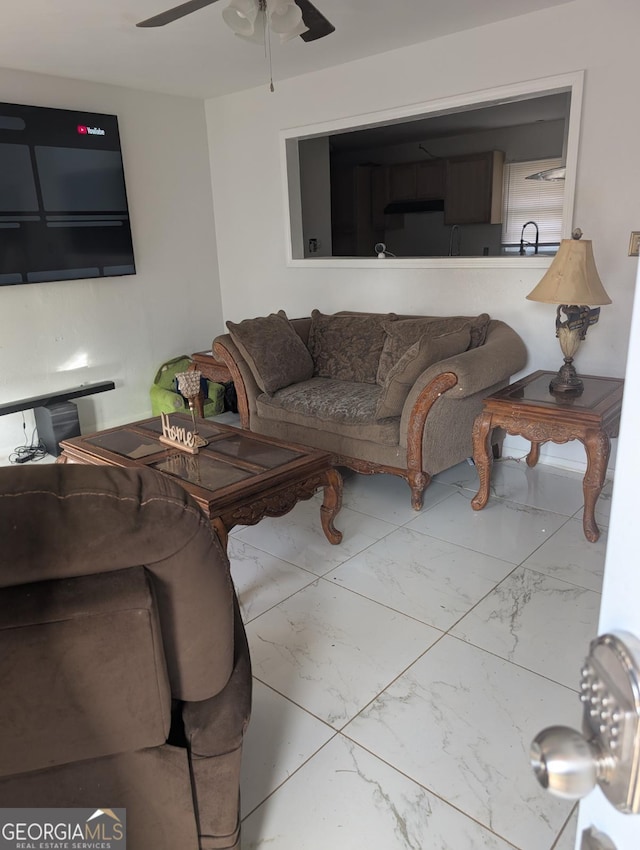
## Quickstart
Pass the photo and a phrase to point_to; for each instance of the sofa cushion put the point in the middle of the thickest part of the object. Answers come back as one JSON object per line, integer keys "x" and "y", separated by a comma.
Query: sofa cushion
{"x": 275, "y": 353}
{"x": 342, "y": 407}
{"x": 347, "y": 346}
{"x": 403, "y": 333}
{"x": 422, "y": 354}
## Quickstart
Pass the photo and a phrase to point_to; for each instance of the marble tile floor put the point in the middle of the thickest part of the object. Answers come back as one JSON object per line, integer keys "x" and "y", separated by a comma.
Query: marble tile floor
{"x": 400, "y": 677}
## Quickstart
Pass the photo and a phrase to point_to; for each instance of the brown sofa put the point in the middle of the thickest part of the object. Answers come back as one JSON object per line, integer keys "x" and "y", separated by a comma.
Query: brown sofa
{"x": 125, "y": 671}
{"x": 383, "y": 393}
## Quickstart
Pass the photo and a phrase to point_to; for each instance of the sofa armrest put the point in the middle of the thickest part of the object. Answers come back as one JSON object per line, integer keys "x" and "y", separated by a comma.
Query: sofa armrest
{"x": 245, "y": 384}
{"x": 438, "y": 414}
{"x": 502, "y": 355}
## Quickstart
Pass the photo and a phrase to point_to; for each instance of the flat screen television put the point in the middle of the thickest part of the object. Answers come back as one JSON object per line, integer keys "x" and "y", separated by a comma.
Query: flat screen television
{"x": 63, "y": 201}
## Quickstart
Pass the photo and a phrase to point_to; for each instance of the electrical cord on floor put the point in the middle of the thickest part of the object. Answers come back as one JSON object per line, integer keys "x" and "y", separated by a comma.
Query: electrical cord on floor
{"x": 29, "y": 451}
{"x": 510, "y": 457}
{"x": 501, "y": 459}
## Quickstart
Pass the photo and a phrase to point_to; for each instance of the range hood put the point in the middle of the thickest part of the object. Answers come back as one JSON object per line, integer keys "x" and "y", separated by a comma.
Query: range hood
{"x": 415, "y": 206}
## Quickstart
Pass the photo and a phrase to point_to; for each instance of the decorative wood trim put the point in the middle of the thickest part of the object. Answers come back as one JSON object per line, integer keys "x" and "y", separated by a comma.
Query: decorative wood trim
{"x": 282, "y": 501}
{"x": 273, "y": 504}
{"x": 238, "y": 382}
{"x": 367, "y": 467}
{"x": 538, "y": 432}
{"x": 418, "y": 479}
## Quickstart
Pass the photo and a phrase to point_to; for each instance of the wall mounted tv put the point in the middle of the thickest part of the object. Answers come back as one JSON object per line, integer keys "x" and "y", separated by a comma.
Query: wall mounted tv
{"x": 63, "y": 201}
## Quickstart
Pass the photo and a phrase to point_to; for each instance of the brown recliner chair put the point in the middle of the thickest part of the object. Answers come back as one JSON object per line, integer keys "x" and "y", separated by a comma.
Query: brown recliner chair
{"x": 125, "y": 678}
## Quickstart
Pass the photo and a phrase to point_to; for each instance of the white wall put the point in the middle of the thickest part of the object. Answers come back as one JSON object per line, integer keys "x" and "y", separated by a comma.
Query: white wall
{"x": 61, "y": 334}
{"x": 249, "y": 201}
{"x": 315, "y": 195}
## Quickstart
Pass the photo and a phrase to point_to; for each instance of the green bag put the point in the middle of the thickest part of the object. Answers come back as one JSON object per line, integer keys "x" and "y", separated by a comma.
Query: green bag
{"x": 166, "y": 399}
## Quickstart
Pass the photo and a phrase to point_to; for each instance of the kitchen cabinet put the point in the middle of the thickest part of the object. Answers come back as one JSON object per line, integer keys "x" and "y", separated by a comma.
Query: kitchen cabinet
{"x": 380, "y": 197}
{"x": 431, "y": 179}
{"x": 402, "y": 181}
{"x": 474, "y": 188}
{"x": 470, "y": 185}
{"x": 409, "y": 181}
{"x": 353, "y": 233}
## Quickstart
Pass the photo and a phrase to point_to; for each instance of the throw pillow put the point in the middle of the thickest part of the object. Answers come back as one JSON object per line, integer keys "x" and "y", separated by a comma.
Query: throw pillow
{"x": 401, "y": 335}
{"x": 347, "y": 347}
{"x": 422, "y": 354}
{"x": 275, "y": 353}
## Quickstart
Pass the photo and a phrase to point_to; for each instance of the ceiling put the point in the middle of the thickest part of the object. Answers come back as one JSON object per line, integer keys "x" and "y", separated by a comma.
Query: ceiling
{"x": 199, "y": 56}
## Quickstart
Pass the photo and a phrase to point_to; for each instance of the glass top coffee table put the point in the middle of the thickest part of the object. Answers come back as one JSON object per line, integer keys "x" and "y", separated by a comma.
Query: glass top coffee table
{"x": 237, "y": 479}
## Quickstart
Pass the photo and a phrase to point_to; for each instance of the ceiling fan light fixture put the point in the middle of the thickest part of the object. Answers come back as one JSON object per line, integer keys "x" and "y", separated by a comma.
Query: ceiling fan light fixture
{"x": 241, "y": 17}
{"x": 551, "y": 175}
{"x": 293, "y": 33}
{"x": 284, "y": 16}
{"x": 258, "y": 34}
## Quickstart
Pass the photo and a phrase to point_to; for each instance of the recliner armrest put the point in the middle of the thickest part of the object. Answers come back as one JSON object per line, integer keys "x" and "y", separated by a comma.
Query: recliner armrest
{"x": 210, "y": 725}
{"x": 214, "y": 729}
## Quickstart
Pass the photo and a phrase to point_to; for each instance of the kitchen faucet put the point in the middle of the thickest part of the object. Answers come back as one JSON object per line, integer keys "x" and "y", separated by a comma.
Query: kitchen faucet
{"x": 455, "y": 230}
{"x": 523, "y": 243}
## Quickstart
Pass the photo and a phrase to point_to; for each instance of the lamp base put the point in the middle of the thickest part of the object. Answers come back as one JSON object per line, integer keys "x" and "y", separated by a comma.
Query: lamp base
{"x": 566, "y": 382}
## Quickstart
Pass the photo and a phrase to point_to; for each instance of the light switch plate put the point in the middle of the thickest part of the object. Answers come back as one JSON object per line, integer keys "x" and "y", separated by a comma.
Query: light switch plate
{"x": 634, "y": 243}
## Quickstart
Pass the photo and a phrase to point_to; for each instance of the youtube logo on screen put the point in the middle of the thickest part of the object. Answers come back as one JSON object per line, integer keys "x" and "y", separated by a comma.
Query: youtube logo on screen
{"x": 83, "y": 130}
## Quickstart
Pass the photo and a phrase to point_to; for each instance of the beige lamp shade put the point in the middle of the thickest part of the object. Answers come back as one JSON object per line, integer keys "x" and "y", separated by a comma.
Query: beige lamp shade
{"x": 572, "y": 277}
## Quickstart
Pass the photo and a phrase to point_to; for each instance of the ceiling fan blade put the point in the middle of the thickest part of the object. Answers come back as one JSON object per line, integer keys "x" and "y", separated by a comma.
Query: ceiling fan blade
{"x": 175, "y": 13}
{"x": 318, "y": 25}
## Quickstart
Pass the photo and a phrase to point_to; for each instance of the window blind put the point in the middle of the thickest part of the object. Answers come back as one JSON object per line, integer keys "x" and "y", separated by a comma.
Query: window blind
{"x": 531, "y": 200}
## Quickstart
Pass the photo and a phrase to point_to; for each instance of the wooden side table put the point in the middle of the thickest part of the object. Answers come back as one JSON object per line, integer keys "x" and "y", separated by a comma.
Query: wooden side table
{"x": 528, "y": 409}
{"x": 212, "y": 369}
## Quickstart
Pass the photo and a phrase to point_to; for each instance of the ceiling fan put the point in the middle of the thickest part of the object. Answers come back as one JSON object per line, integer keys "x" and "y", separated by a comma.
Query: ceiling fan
{"x": 288, "y": 18}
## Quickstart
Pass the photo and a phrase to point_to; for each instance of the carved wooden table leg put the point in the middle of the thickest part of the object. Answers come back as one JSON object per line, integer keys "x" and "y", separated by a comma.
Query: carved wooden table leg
{"x": 598, "y": 447}
{"x": 331, "y": 505}
{"x": 534, "y": 454}
{"x": 482, "y": 457}
{"x": 221, "y": 530}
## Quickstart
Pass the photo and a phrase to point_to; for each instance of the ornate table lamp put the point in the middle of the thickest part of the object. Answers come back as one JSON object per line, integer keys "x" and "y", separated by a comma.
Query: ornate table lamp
{"x": 572, "y": 282}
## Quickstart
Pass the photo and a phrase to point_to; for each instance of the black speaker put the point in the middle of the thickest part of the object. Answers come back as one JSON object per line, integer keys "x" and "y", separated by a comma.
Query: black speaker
{"x": 55, "y": 422}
